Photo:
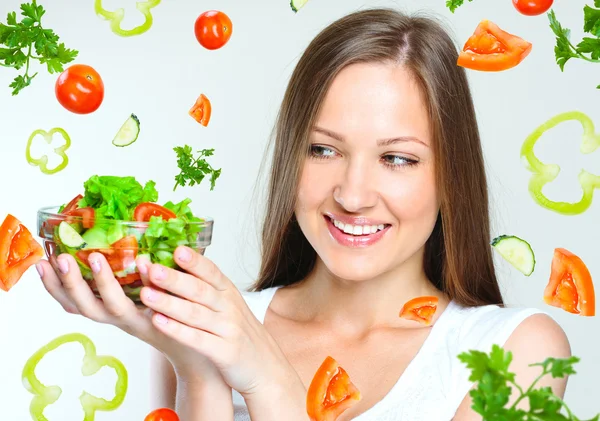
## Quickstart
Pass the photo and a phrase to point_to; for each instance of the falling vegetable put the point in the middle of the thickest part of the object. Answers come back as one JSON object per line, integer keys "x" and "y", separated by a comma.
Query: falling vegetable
{"x": 28, "y": 40}
{"x": 201, "y": 110}
{"x": 331, "y": 392}
{"x": 296, "y": 5}
{"x": 193, "y": 170}
{"x": 162, "y": 414}
{"x": 532, "y": 7}
{"x": 588, "y": 49}
{"x": 490, "y": 49}
{"x": 515, "y": 251}
{"x": 213, "y": 29}
{"x": 545, "y": 173}
{"x": 45, "y": 396}
{"x": 117, "y": 16}
{"x": 42, "y": 162}
{"x": 18, "y": 252}
{"x": 570, "y": 286}
{"x": 80, "y": 89}
{"x": 420, "y": 309}
{"x": 128, "y": 133}
{"x": 454, "y": 4}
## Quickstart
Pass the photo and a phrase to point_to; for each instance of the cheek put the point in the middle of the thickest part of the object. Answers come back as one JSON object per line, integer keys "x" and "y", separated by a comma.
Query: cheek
{"x": 313, "y": 188}
{"x": 414, "y": 195}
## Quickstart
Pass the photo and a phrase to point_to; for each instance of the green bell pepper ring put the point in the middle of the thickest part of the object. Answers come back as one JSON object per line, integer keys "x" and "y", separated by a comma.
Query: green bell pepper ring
{"x": 60, "y": 151}
{"x": 545, "y": 173}
{"x": 92, "y": 363}
{"x": 117, "y": 16}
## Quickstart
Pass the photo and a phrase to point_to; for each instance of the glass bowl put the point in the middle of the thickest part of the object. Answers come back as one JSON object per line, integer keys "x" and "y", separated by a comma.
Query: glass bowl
{"x": 121, "y": 242}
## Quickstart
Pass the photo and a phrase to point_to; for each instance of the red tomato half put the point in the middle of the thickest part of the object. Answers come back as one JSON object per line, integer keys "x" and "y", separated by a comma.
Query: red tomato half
{"x": 80, "y": 89}
{"x": 213, "y": 29}
{"x": 162, "y": 414}
{"x": 532, "y": 7}
{"x": 144, "y": 211}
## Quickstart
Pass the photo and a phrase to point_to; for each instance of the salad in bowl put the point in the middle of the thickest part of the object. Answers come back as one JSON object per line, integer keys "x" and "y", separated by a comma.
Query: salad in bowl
{"x": 121, "y": 219}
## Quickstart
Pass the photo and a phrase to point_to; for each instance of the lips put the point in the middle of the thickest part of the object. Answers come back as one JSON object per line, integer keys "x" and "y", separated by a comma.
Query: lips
{"x": 369, "y": 233}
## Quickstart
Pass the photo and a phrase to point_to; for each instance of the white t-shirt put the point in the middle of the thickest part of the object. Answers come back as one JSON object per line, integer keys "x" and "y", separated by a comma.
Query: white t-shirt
{"x": 435, "y": 382}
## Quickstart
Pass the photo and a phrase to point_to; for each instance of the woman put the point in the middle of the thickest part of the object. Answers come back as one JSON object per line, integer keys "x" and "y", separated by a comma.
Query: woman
{"x": 377, "y": 195}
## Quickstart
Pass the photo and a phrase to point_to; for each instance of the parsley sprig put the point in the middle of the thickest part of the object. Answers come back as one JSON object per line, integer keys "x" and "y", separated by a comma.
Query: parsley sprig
{"x": 22, "y": 38}
{"x": 588, "y": 48}
{"x": 193, "y": 170}
{"x": 454, "y": 4}
{"x": 495, "y": 383}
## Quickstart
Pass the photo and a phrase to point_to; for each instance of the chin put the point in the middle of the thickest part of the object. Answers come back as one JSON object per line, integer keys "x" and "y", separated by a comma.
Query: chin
{"x": 353, "y": 269}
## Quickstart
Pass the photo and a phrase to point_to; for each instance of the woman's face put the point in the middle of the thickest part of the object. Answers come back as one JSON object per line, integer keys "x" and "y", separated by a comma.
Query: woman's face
{"x": 367, "y": 199}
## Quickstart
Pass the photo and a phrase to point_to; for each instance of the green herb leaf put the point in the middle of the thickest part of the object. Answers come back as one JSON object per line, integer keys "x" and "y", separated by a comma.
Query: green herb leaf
{"x": 591, "y": 19}
{"x": 563, "y": 49}
{"x": 194, "y": 170}
{"x": 558, "y": 367}
{"x": 454, "y": 4}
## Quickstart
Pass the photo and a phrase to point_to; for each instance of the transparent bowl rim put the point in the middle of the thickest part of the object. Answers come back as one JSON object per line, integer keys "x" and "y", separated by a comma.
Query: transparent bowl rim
{"x": 52, "y": 212}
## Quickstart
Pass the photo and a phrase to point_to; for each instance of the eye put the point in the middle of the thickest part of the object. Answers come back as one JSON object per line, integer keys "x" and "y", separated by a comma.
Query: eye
{"x": 321, "y": 152}
{"x": 398, "y": 161}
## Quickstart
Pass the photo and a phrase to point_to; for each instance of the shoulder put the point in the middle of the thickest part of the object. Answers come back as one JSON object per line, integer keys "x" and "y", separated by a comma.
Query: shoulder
{"x": 258, "y": 301}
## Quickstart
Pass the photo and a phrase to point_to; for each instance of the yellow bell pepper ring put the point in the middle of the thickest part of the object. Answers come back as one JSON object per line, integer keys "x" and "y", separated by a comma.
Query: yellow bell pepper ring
{"x": 92, "y": 363}
{"x": 117, "y": 16}
{"x": 42, "y": 162}
{"x": 545, "y": 173}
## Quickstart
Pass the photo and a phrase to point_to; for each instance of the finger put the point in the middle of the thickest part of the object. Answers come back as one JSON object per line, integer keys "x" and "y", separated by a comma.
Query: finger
{"x": 196, "y": 264}
{"x": 78, "y": 291}
{"x": 54, "y": 287}
{"x": 186, "y": 286}
{"x": 184, "y": 311}
{"x": 114, "y": 299}
{"x": 143, "y": 266}
{"x": 206, "y": 344}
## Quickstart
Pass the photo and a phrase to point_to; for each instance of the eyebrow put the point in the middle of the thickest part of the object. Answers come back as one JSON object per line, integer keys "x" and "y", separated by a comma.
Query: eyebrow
{"x": 380, "y": 142}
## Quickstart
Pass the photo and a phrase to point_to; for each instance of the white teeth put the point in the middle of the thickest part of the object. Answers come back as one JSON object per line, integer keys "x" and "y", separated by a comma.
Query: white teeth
{"x": 357, "y": 229}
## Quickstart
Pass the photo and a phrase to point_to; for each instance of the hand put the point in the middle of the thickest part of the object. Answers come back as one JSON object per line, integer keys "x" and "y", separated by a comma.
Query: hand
{"x": 207, "y": 314}
{"x": 63, "y": 280}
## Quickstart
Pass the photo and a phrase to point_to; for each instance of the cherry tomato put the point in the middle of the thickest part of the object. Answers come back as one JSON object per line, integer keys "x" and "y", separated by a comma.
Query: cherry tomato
{"x": 144, "y": 211}
{"x": 80, "y": 89}
{"x": 532, "y": 7}
{"x": 162, "y": 414}
{"x": 213, "y": 29}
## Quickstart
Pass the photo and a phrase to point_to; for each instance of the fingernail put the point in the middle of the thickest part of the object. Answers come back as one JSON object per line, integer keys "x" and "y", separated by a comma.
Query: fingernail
{"x": 95, "y": 265}
{"x": 162, "y": 274}
{"x": 63, "y": 266}
{"x": 39, "y": 269}
{"x": 160, "y": 319}
{"x": 151, "y": 295}
{"x": 184, "y": 254}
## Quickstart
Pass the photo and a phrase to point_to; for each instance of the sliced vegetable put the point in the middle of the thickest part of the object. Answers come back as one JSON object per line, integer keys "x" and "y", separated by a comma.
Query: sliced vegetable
{"x": 516, "y": 251}
{"x": 213, "y": 29}
{"x": 532, "y": 7}
{"x": 420, "y": 309}
{"x": 545, "y": 173}
{"x": 144, "y": 211}
{"x": 491, "y": 49}
{"x": 570, "y": 286}
{"x": 45, "y": 396}
{"x": 201, "y": 110}
{"x": 96, "y": 238}
{"x": 117, "y": 16}
{"x": 69, "y": 236}
{"x": 120, "y": 256}
{"x": 42, "y": 162}
{"x": 162, "y": 414}
{"x": 128, "y": 133}
{"x": 330, "y": 392}
{"x": 18, "y": 251}
{"x": 80, "y": 89}
{"x": 296, "y": 5}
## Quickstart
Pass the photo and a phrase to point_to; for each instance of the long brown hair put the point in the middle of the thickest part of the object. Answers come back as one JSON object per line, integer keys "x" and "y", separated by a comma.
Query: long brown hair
{"x": 458, "y": 257}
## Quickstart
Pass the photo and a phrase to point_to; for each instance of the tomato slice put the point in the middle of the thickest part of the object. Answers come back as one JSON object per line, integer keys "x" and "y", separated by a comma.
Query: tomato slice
{"x": 87, "y": 216}
{"x": 144, "y": 211}
{"x": 420, "y": 309}
{"x": 490, "y": 49}
{"x": 570, "y": 286}
{"x": 72, "y": 205}
{"x": 162, "y": 414}
{"x": 120, "y": 255}
{"x": 18, "y": 251}
{"x": 201, "y": 110}
{"x": 330, "y": 393}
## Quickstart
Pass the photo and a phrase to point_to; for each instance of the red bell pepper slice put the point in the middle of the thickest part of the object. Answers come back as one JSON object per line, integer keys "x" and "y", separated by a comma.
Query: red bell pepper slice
{"x": 420, "y": 309}
{"x": 490, "y": 49}
{"x": 18, "y": 251}
{"x": 201, "y": 110}
{"x": 144, "y": 211}
{"x": 570, "y": 286}
{"x": 330, "y": 393}
{"x": 120, "y": 255}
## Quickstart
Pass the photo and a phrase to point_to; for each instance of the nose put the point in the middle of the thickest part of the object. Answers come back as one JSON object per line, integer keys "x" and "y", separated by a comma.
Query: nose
{"x": 356, "y": 190}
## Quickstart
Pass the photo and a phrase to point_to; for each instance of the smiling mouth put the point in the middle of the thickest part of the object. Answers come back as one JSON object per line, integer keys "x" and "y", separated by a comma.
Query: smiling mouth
{"x": 357, "y": 230}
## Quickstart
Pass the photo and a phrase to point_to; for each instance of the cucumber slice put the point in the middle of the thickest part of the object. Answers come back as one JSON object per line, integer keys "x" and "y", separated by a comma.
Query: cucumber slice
{"x": 69, "y": 237}
{"x": 96, "y": 238}
{"x": 517, "y": 252}
{"x": 128, "y": 133}
{"x": 297, "y": 4}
